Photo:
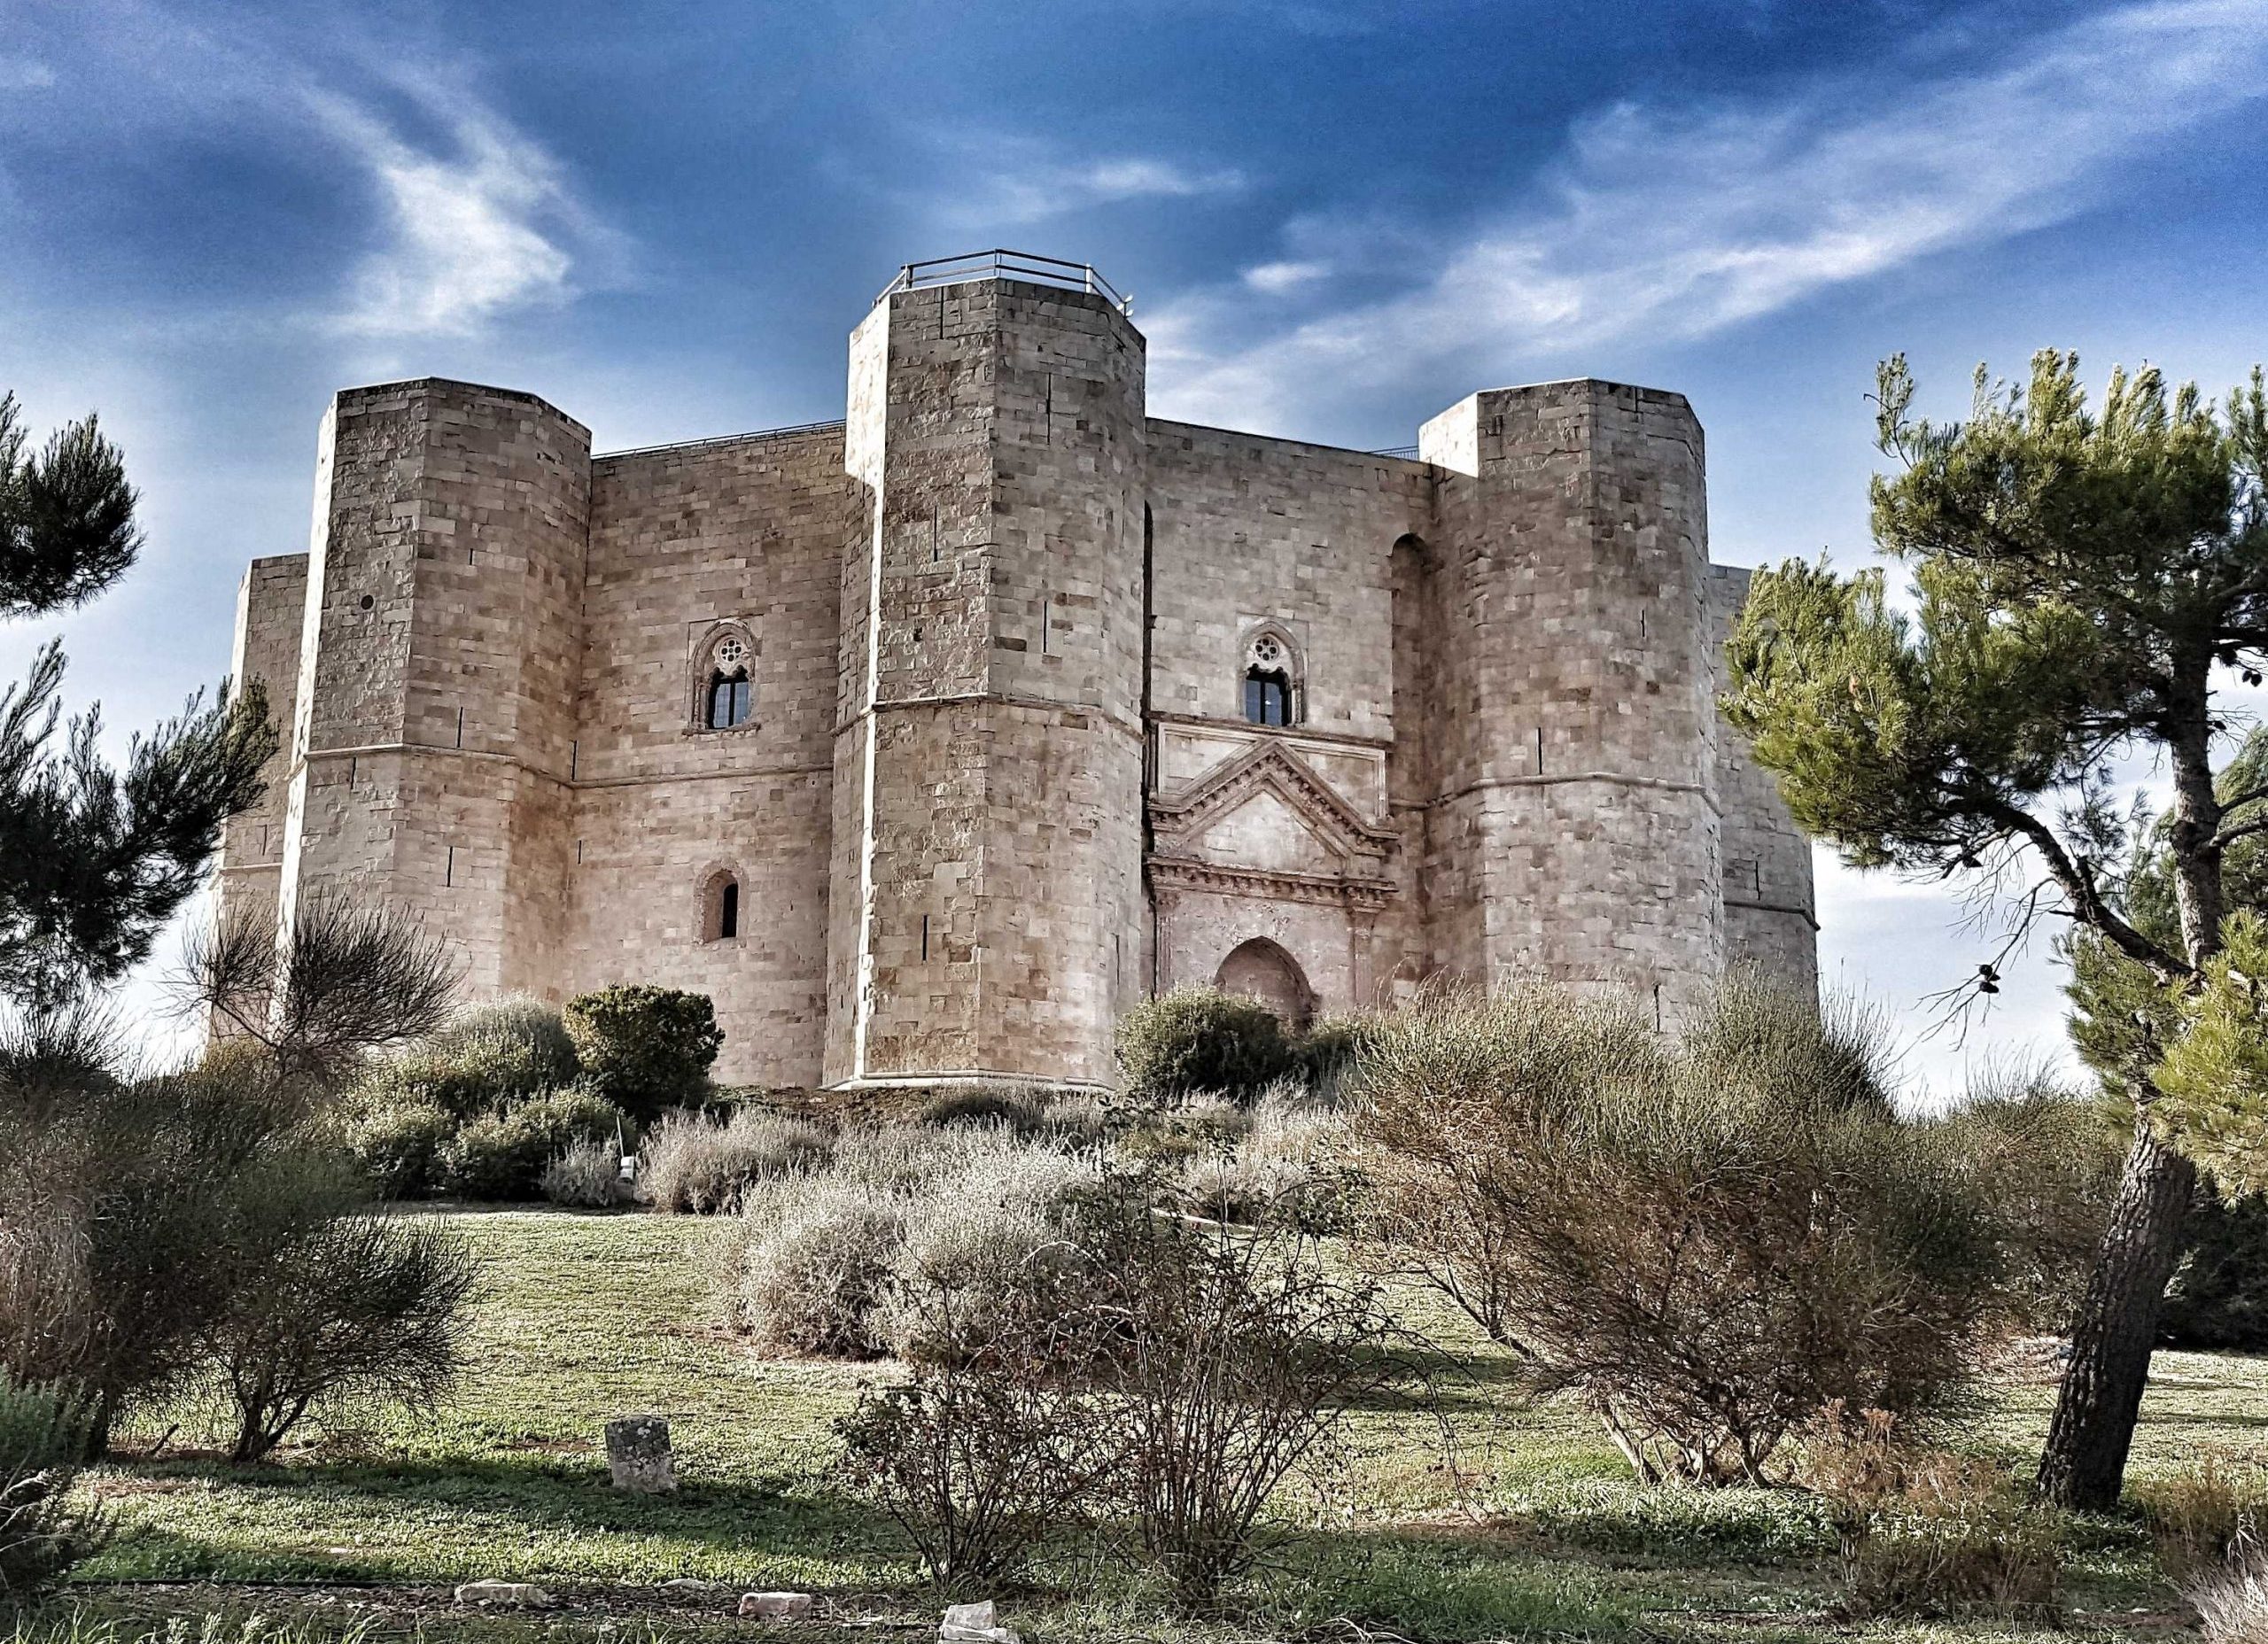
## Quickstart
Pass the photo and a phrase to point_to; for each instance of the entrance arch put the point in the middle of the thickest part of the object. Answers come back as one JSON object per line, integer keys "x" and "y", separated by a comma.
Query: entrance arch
{"x": 1261, "y": 971}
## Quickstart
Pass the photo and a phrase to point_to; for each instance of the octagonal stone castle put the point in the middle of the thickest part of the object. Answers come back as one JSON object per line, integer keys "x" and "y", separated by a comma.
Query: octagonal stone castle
{"x": 928, "y": 741}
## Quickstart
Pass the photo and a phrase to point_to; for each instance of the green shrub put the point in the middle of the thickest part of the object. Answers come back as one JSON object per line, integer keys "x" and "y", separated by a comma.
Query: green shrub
{"x": 1196, "y": 1040}
{"x": 397, "y": 1146}
{"x": 2219, "y": 1300}
{"x": 646, "y": 1048}
{"x": 502, "y": 1155}
{"x": 348, "y": 1309}
{"x": 486, "y": 1058}
{"x": 696, "y": 1163}
{"x": 1330, "y": 1047}
{"x": 42, "y": 1533}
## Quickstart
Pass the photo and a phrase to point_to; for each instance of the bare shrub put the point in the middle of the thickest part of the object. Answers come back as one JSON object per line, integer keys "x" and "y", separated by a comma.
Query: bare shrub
{"x": 1926, "y": 1533}
{"x": 347, "y": 1308}
{"x": 43, "y": 1531}
{"x": 1707, "y": 1240}
{"x": 586, "y": 1176}
{"x": 978, "y": 1458}
{"x": 1227, "y": 1362}
{"x": 693, "y": 1162}
{"x": 348, "y": 980}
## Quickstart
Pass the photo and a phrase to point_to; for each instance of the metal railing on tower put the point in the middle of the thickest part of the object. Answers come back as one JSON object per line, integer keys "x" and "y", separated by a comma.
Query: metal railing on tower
{"x": 1002, "y": 264}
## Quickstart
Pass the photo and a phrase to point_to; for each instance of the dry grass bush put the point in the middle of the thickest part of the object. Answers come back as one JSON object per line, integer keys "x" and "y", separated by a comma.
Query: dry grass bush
{"x": 1705, "y": 1239}
{"x": 906, "y": 1225}
{"x": 44, "y": 1529}
{"x": 2232, "y": 1603}
{"x": 1924, "y": 1532}
{"x": 585, "y": 1176}
{"x": 2203, "y": 1516}
{"x": 817, "y": 1254}
{"x": 1287, "y": 1158}
{"x": 700, "y": 1164}
{"x": 1162, "y": 1376}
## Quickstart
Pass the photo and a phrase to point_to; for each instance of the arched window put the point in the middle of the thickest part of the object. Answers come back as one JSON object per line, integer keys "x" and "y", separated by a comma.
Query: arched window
{"x": 1269, "y": 693}
{"x": 720, "y": 908}
{"x": 728, "y": 696}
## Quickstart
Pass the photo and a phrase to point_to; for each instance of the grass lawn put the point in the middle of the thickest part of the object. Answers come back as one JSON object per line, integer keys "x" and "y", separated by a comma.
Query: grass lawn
{"x": 1481, "y": 1521}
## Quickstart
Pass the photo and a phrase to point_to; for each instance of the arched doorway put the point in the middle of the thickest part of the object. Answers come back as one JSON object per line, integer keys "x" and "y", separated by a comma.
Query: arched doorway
{"x": 1261, "y": 971}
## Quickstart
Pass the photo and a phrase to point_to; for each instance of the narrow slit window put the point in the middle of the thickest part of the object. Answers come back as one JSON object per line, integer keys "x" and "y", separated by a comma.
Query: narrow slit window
{"x": 720, "y": 908}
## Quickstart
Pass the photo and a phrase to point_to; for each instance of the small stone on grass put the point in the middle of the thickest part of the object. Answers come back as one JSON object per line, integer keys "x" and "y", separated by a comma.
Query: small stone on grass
{"x": 776, "y": 1606}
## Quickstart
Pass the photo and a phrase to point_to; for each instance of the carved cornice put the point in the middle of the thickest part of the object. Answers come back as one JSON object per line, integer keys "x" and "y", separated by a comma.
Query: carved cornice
{"x": 1359, "y": 894}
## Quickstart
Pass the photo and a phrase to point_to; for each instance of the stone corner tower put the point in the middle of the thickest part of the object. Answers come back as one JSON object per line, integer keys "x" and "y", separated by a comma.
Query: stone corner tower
{"x": 428, "y": 759}
{"x": 1578, "y": 833}
{"x": 986, "y": 882}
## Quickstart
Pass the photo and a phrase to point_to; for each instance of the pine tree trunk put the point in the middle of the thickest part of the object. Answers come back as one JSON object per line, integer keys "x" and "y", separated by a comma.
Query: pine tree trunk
{"x": 2083, "y": 1464}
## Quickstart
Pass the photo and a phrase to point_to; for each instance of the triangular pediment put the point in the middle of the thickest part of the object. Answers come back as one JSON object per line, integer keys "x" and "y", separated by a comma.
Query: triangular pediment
{"x": 1265, "y": 830}
{"x": 1299, "y": 806}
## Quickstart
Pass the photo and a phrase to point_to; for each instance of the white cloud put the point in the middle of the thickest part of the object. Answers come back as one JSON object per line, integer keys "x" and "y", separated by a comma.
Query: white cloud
{"x": 1276, "y": 278}
{"x": 1666, "y": 223}
{"x": 478, "y": 226}
{"x": 24, "y": 73}
{"x": 1023, "y": 182}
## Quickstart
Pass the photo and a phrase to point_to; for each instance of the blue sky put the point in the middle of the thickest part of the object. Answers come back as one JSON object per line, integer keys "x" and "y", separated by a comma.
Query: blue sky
{"x": 1335, "y": 219}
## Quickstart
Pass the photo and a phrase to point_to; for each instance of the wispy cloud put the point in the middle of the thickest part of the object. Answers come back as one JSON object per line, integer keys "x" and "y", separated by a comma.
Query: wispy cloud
{"x": 1657, "y": 223}
{"x": 479, "y": 224}
{"x": 25, "y": 74}
{"x": 1016, "y": 181}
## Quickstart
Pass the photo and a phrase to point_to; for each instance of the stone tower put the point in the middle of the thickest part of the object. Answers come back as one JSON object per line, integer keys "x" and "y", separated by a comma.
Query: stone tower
{"x": 434, "y": 734}
{"x": 985, "y": 896}
{"x": 1575, "y": 828}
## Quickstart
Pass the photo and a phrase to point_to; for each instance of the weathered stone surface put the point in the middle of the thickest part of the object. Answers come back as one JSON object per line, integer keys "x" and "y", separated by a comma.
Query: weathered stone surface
{"x": 504, "y": 1595}
{"x": 777, "y": 1606}
{"x": 974, "y": 1624}
{"x": 997, "y": 783}
{"x": 638, "y": 1454}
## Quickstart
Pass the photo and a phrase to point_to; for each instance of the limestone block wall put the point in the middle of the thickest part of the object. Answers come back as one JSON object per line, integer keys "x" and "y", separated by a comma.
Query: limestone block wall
{"x": 688, "y": 543}
{"x": 271, "y": 601}
{"x": 1575, "y": 829}
{"x": 1249, "y": 531}
{"x": 438, "y": 672}
{"x": 1771, "y": 919}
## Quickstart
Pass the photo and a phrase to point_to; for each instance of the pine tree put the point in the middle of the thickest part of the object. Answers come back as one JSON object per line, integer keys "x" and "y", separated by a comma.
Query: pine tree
{"x": 2086, "y": 584}
{"x": 95, "y": 860}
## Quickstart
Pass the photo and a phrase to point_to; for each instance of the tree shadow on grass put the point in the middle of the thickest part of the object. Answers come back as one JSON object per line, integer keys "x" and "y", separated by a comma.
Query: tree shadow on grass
{"x": 463, "y": 1519}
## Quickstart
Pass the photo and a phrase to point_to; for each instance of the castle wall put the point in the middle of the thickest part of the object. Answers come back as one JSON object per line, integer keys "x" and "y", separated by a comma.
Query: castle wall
{"x": 271, "y": 602}
{"x": 1770, "y": 919}
{"x": 1249, "y": 531}
{"x": 685, "y": 543}
{"x": 1575, "y": 830}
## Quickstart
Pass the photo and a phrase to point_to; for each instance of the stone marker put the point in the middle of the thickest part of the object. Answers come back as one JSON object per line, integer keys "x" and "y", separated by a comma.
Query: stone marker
{"x": 638, "y": 1453}
{"x": 776, "y": 1606}
{"x": 974, "y": 1624}
{"x": 506, "y": 1594}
